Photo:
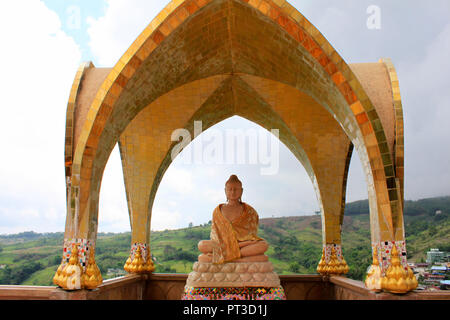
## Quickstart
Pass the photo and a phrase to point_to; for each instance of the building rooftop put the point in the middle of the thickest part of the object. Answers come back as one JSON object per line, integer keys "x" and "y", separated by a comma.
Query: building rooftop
{"x": 439, "y": 268}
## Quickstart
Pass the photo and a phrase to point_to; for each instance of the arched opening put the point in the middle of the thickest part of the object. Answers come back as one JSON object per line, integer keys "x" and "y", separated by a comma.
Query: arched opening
{"x": 113, "y": 211}
{"x": 356, "y": 242}
{"x": 193, "y": 186}
{"x": 114, "y": 229}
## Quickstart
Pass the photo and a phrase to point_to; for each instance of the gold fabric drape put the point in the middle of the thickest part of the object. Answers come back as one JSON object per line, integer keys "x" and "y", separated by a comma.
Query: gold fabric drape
{"x": 226, "y": 235}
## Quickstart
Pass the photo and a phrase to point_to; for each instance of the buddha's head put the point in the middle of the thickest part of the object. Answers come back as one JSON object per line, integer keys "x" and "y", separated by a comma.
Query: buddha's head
{"x": 233, "y": 189}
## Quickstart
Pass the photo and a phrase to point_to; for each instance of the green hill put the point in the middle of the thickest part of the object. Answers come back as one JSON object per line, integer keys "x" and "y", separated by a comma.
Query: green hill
{"x": 295, "y": 244}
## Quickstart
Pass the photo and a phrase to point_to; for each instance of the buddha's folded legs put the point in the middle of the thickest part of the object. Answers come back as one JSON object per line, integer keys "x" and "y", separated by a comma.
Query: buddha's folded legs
{"x": 258, "y": 258}
{"x": 253, "y": 249}
{"x": 205, "y": 246}
{"x": 248, "y": 248}
{"x": 205, "y": 257}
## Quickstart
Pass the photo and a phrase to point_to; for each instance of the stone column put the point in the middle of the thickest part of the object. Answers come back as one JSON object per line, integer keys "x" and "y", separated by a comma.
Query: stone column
{"x": 78, "y": 258}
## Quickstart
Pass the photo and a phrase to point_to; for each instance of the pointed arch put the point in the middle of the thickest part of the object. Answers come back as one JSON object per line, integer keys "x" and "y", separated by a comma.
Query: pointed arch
{"x": 314, "y": 139}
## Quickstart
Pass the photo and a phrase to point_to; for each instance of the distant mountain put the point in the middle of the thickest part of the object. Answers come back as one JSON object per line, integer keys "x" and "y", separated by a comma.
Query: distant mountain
{"x": 28, "y": 236}
{"x": 427, "y": 206}
{"x": 31, "y": 258}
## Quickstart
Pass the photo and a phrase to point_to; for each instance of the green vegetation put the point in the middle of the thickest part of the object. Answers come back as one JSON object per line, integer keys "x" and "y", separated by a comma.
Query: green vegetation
{"x": 295, "y": 244}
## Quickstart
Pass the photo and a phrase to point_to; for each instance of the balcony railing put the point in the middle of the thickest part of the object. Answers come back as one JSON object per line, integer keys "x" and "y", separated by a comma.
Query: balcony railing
{"x": 170, "y": 287}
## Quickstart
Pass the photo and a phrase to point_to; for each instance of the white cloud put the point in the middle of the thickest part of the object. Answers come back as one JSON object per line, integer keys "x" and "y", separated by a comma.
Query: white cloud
{"x": 426, "y": 100}
{"x": 29, "y": 217}
{"x": 113, "y": 211}
{"x": 162, "y": 219}
{"x": 172, "y": 203}
{"x": 39, "y": 64}
{"x": 356, "y": 180}
{"x": 214, "y": 196}
{"x": 112, "y": 34}
{"x": 179, "y": 180}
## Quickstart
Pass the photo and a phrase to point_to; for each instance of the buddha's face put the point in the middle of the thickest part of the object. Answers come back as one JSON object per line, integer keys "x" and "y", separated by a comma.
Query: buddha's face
{"x": 233, "y": 190}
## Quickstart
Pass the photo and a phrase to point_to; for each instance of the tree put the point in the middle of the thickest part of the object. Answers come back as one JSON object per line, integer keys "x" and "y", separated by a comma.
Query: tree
{"x": 55, "y": 260}
{"x": 168, "y": 251}
{"x": 432, "y": 230}
{"x": 164, "y": 269}
{"x": 5, "y": 275}
{"x": 23, "y": 272}
{"x": 294, "y": 267}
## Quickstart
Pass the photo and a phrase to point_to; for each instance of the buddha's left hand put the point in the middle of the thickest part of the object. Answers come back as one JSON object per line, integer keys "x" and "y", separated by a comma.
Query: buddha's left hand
{"x": 246, "y": 243}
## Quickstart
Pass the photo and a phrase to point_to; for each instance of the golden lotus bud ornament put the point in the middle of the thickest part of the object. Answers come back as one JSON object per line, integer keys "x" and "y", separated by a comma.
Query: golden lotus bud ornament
{"x": 322, "y": 264}
{"x": 127, "y": 266}
{"x": 72, "y": 272}
{"x": 334, "y": 266}
{"x": 57, "y": 279}
{"x": 411, "y": 280}
{"x": 138, "y": 265}
{"x": 149, "y": 267}
{"x": 396, "y": 278}
{"x": 92, "y": 276}
{"x": 346, "y": 269}
{"x": 373, "y": 279}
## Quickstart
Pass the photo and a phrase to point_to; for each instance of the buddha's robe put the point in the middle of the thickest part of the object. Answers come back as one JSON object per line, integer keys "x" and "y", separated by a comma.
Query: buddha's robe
{"x": 226, "y": 234}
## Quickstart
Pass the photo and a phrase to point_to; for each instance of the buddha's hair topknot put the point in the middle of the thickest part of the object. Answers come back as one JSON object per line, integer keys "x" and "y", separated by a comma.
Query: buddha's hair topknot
{"x": 234, "y": 178}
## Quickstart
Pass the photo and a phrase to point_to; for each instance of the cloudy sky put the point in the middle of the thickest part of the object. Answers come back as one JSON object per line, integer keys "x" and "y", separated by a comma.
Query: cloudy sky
{"x": 43, "y": 43}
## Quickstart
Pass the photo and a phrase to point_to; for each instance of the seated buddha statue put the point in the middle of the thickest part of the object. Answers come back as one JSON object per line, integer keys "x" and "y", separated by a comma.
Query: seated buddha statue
{"x": 233, "y": 231}
{"x": 233, "y": 265}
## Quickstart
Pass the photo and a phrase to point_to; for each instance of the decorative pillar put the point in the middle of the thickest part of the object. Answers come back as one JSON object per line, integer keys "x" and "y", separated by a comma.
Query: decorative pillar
{"x": 80, "y": 234}
{"x": 331, "y": 192}
{"x": 332, "y": 260}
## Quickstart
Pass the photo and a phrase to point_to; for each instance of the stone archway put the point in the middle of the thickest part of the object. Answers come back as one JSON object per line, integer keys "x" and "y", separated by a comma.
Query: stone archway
{"x": 211, "y": 59}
